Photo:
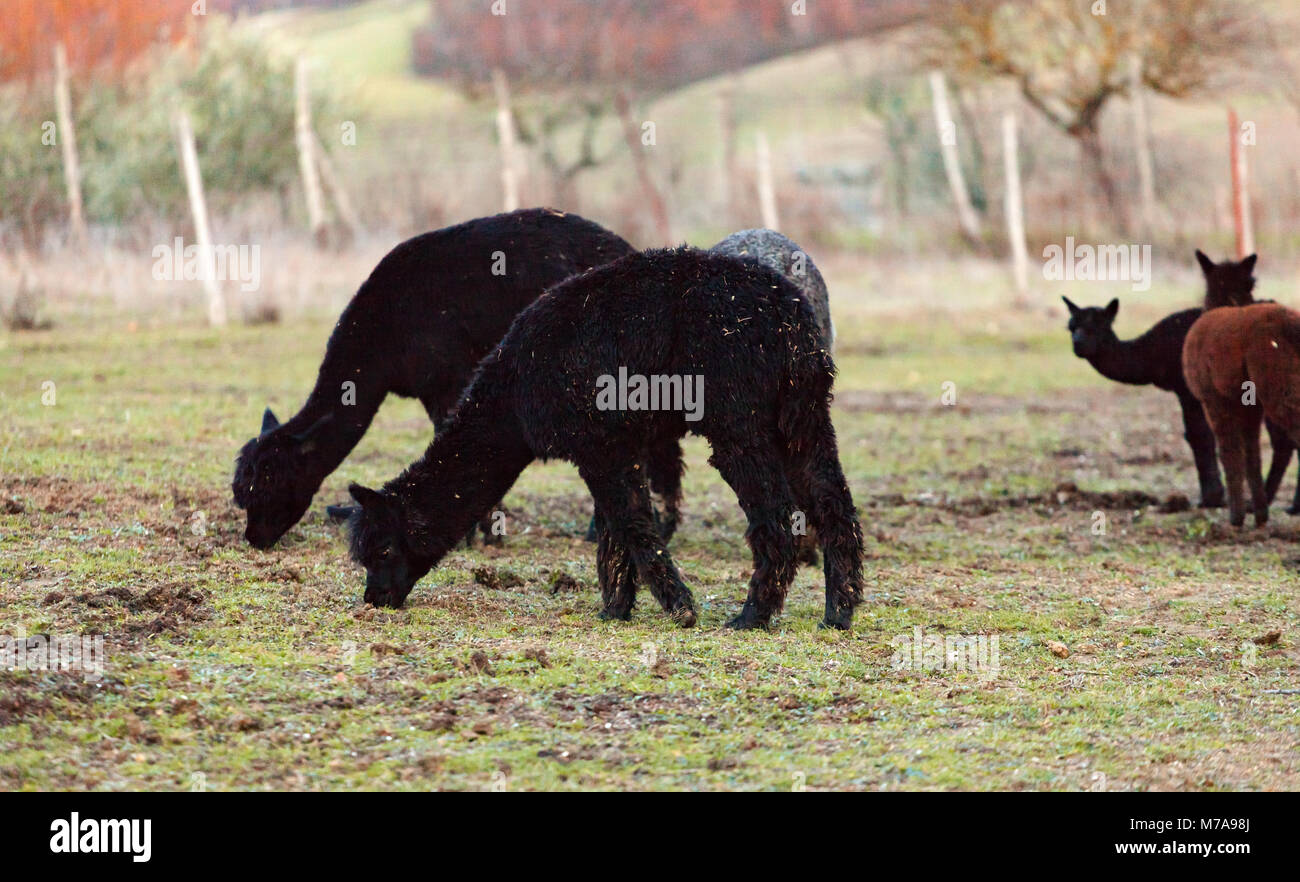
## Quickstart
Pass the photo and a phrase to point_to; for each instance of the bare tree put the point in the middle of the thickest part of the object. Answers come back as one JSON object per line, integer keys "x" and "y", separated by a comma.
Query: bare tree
{"x": 1068, "y": 58}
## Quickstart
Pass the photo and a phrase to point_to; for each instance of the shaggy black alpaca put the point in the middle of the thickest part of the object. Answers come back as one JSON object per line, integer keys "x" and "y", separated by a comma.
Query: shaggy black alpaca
{"x": 1155, "y": 358}
{"x": 1228, "y": 283}
{"x": 432, "y": 308}
{"x": 657, "y": 321}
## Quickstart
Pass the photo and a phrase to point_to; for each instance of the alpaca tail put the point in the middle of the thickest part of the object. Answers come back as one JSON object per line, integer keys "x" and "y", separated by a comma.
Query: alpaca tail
{"x": 1291, "y": 332}
{"x": 807, "y": 387}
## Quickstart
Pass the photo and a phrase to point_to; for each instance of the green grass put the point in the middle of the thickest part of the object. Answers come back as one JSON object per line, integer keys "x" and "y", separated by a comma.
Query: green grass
{"x": 229, "y": 668}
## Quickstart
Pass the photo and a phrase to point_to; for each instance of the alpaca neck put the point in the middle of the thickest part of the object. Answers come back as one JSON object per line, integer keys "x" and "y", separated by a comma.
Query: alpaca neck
{"x": 349, "y": 390}
{"x": 471, "y": 464}
{"x": 1122, "y": 361}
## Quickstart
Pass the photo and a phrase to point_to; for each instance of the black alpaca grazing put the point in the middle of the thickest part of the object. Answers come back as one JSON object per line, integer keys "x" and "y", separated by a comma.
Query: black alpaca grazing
{"x": 432, "y": 308}
{"x": 1155, "y": 358}
{"x": 661, "y": 322}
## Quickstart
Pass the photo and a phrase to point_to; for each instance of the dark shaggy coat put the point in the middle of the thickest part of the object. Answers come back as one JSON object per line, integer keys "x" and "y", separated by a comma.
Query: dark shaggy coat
{"x": 672, "y": 313}
{"x": 432, "y": 308}
{"x": 1244, "y": 366}
{"x": 1156, "y": 358}
{"x": 787, "y": 258}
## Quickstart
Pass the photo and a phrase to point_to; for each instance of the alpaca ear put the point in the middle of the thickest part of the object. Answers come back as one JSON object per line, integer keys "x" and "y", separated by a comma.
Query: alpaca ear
{"x": 269, "y": 421}
{"x": 1248, "y": 265}
{"x": 1074, "y": 310}
{"x": 310, "y": 432}
{"x": 1112, "y": 309}
{"x": 364, "y": 496}
{"x": 1207, "y": 265}
{"x": 338, "y": 514}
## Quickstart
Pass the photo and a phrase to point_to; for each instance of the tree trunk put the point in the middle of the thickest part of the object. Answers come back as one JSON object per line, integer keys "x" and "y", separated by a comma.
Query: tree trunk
{"x": 1142, "y": 146}
{"x": 658, "y": 210}
{"x": 1094, "y": 164}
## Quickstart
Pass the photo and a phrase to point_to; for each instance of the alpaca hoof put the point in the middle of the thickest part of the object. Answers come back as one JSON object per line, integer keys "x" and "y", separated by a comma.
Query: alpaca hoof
{"x": 1261, "y": 520}
{"x": 748, "y": 620}
{"x": 684, "y": 616}
{"x": 1237, "y": 520}
{"x": 613, "y": 615}
{"x": 835, "y": 624}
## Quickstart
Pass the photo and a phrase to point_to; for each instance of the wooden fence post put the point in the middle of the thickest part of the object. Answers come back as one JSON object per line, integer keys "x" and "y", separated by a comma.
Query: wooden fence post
{"x": 1240, "y": 189}
{"x": 766, "y": 190}
{"x": 67, "y": 135}
{"x": 306, "y": 154}
{"x": 966, "y": 216}
{"x": 347, "y": 212}
{"x": 199, "y": 209}
{"x": 506, "y": 134}
{"x": 1015, "y": 204}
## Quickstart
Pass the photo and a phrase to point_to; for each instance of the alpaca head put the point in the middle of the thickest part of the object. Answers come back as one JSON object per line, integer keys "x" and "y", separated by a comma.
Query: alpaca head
{"x": 1091, "y": 328}
{"x": 1227, "y": 283}
{"x": 271, "y": 481}
{"x": 379, "y": 532}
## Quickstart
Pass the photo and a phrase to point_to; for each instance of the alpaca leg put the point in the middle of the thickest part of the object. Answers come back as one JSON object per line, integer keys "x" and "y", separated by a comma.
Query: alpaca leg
{"x": 755, "y": 472}
{"x": 623, "y": 501}
{"x": 835, "y": 520}
{"x": 617, "y": 574}
{"x": 806, "y": 540}
{"x": 1250, "y": 439}
{"x": 1200, "y": 437}
{"x": 1282, "y": 449}
{"x": 665, "y": 467}
{"x": 1233, "y": 454}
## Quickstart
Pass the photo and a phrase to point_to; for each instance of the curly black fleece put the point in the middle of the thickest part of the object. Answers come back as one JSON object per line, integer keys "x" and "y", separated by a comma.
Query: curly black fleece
{"x": 417, "y": 327}
{"x": 679, "y": 312}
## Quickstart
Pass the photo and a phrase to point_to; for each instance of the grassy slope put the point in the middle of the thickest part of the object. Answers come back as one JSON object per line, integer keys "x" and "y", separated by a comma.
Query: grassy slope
{"x": 260, "y": 670}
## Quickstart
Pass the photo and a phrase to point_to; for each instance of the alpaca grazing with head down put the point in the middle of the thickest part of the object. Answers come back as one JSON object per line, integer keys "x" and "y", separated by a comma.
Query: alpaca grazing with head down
{"x": 1244, "y": 366}
{"x": 683, "y": 315}
{"x": 430, "y": 310}
{"x": 1155, "y": 358}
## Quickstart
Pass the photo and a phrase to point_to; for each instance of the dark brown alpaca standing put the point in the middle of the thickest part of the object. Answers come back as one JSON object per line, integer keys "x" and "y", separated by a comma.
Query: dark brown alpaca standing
{"x": 1243, "y": 365}
{"x": 1155, "y": 358}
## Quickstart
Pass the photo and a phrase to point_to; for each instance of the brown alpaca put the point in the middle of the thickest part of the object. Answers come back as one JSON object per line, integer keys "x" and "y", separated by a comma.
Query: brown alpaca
{"x": 1244, "y": 366}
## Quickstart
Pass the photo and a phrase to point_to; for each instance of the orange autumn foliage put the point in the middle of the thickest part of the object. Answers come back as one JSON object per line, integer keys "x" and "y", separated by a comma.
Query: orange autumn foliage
{"x": 98, "y": 34}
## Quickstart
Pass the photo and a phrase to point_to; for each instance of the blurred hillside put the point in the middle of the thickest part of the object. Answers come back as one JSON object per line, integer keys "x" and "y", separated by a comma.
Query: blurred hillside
{"x": 855, "y": 151}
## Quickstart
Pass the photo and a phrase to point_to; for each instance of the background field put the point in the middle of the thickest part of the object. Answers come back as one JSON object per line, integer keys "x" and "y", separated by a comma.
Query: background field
{"x": 230, "y": 668}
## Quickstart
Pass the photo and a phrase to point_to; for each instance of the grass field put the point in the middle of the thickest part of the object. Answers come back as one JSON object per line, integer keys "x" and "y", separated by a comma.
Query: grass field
{"x": 1142, "y": 655}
